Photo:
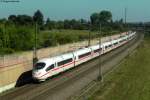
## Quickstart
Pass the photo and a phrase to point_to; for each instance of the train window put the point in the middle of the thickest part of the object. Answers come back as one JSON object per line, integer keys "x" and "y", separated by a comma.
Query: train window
{"x": 115, "y": 43}
{"x": 97, "y": 50}
{"x": 39, "y": 65}
{"x": 84, "y": 55}
{"x": 110, "y": 45}
{"x": 64, "y": 62}
{"x": 50, "y": 67}
{"x": 106, "y": 47}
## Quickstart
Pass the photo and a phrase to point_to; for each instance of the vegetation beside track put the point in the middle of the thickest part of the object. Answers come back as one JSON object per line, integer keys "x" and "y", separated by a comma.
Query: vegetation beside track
{"x": 22, "y": 38}
{"x": 131, "y": 79}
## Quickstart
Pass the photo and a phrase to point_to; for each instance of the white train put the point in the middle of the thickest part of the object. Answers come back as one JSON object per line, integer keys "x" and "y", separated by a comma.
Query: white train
{"x": 48, "y": 67}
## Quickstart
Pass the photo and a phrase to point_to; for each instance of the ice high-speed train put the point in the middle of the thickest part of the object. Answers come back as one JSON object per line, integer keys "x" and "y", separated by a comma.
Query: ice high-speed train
{"x": 48, "y": 67}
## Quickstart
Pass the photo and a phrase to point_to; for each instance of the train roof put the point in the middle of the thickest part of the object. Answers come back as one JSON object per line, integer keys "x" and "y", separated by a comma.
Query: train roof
{"x": 45, "y": 60}
{"x": 57, "y": 58}
{"x": 64, "y": 56}
{"x": 82, "y": 51}
{"x": 94, "y": 47}
{"x": 106, "y": 43}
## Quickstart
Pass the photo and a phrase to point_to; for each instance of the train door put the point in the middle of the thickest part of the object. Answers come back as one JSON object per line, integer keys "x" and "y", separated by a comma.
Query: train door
{"x": 60, "y": 65}
{"x": 92, "y": 53}
{"x": 76, "y": 60}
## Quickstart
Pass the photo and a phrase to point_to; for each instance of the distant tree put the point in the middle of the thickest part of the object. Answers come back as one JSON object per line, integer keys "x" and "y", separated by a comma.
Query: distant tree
{"x": 94, "y": 18}
{"x": 83, "y": 21}
{"x": 67, "y": 24}
{"x": 47, "y": 25}
{"x": 12, "y": 18}
{"x": 118, "y": 25}
{"x": 50, "y": 24}
{"x": 73, "y": 24}
{"x": 105, "y": 16}
{"x": 60, "y": 25}
{"x": 121, "y": 21}
{"x": 1, "y": 38}
{"x": 24, "y": 20}
{"x": 84, "y": 24}
{"x": 38, "y": 17}
{"x": 20, "y": 19}
{"x": 48, "y": 21}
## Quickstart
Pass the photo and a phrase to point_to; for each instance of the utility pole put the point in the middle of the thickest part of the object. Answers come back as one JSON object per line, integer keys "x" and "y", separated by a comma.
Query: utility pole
{"x": 100, "y": 76}
{"x": 126, "y": 27}
{"x": 35, "y": 59}
{"x": 4, "y": 35}
{"x": 89, "y": 41}
{"x": 125, "y": 17}
{"x": 4, "y": 40}
{"x": 144, "y": 28}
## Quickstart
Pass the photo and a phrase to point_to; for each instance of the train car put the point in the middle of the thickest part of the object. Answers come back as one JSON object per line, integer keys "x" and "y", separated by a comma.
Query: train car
{"x": 107, "y": 46}
{"x": 39, "y": 72}
{"x": 49, "y": 67}
{"x": 96, "y": 50}
{"x": 82, "y": 55}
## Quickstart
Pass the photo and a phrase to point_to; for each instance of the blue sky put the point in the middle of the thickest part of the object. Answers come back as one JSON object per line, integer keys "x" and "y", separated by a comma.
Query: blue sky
{"x": 137, "y": 10}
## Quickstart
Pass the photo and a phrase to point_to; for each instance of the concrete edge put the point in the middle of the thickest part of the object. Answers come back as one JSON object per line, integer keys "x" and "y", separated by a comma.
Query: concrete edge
{"x": 7, "y": 87}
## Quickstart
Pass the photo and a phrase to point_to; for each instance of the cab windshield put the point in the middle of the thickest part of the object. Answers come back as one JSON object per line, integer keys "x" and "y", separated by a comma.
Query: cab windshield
{"x": 39, "y": 65}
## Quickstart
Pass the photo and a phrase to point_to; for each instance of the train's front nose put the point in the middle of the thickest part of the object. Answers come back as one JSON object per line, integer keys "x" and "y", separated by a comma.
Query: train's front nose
{"x": 38, "y": 71}
{"x": 36, "y": 74}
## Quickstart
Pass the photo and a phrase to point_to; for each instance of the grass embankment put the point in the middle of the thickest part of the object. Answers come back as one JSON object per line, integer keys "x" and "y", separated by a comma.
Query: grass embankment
{"x": 131, "y": 80}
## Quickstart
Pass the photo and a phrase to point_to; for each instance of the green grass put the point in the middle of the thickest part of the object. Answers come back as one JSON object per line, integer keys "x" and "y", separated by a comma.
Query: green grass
{"x": 131, "y": 80}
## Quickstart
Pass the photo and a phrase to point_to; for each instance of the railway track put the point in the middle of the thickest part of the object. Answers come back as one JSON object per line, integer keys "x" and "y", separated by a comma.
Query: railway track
{"x": 63, "y": 86}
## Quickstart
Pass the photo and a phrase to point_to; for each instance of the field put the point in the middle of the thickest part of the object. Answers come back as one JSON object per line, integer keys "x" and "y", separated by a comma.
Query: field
{"x": 130, "y": 80}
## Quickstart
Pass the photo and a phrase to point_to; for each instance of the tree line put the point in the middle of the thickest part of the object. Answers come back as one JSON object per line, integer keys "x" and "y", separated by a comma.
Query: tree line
{"x": 104, "y": 17}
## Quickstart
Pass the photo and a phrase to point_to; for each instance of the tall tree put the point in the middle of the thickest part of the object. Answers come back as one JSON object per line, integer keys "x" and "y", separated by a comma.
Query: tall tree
{"x": 47, "y": 25}
{"x": 105, "y": 16}
{"x": 94, "y": 18}
{"x": 12, "y": 18}
{"x": 38, "y": 17}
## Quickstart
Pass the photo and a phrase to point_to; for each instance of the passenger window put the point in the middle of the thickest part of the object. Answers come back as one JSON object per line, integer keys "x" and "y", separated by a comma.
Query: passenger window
{"x": 39, "y": 66}
{"x": 64, "y": 62}
{"x": 84, "y": 55}
{"x": 50, "y": 67}
{"x": 97, "y": 50}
